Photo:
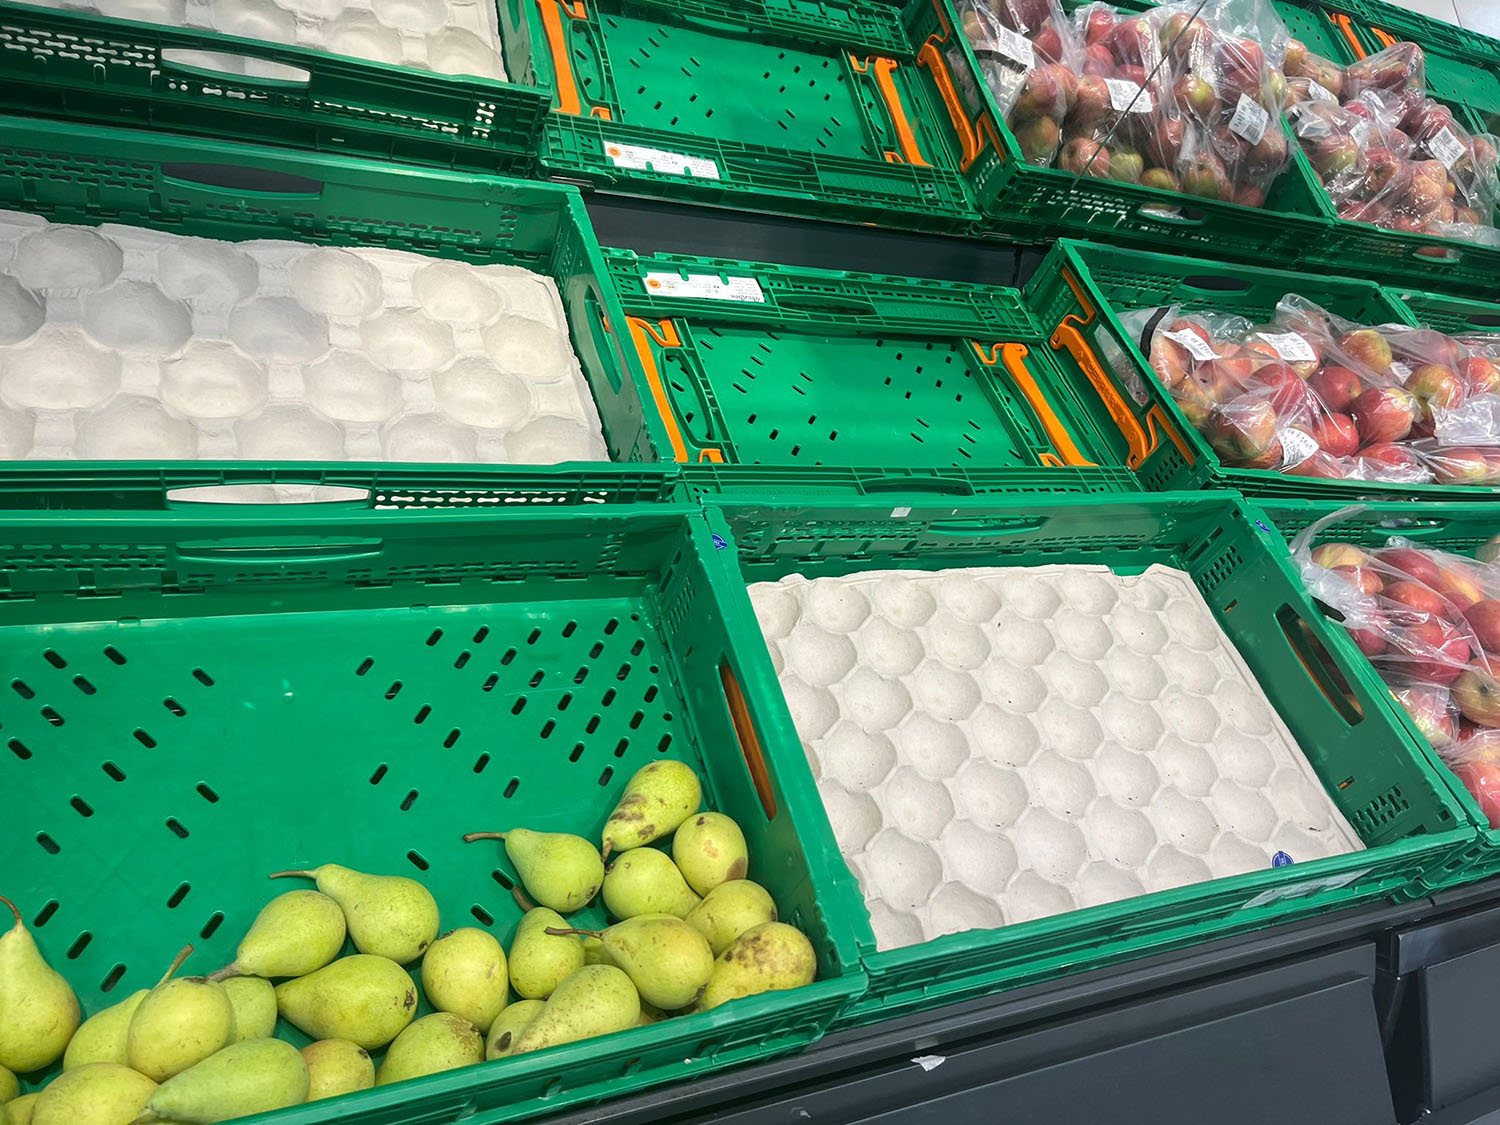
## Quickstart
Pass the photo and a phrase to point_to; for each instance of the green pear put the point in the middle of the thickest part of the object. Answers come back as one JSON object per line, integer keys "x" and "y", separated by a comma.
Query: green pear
{"x": 38, "y": 1011}
{"x": 650, "y": 1014}
{"x": 388, "y": 915}
{"x": 767, "y": 958}
{"x": 363, "y": 998}
{"x": 178, "y": 1023}
{"x": 645, "y": 881}
{"x": 593, "y": 948}
{"x": 667, "y": 960}
{"x": 464, "y": 972}
{"x": 656, "y": 800}
{"x": 709, "y": 849}
{"x": 102, "y": 1036}
{"x": 10, "y": 1085}
{"x": 23, "y": 1108}
{"x": 508, "y": 1024}
{"x": 294, "y": 934}
{"x": 540, "y": 961}
{"x": 336, "y": 1066}
{"x": 729, "y": 910}
{"x": 97, "y": 1093}
{"x": 559, "y": 871}
{"x": 254, "y": 1003}
{"x": 441, "y": 1041}
{"x": 255, "y": 1076}
{"x": 596, "y": 1000}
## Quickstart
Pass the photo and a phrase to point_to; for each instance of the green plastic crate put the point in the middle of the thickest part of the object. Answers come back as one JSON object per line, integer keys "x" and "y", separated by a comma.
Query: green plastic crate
{"x": 1076, "y": 296}
{"x": 1456, "y": 527}
{"x": 1019, "y": 200}
{"x": 739, "y": 364}
{"x": 1377, "y": 25}
{"x": 87, "y": 174}
{"x": 1371, "y": 767}
{"x": 371, "y": 686}
{"x": 81, "y": 67}
{"x": 1457, "y": 316}
{"x": 805, "y": 106}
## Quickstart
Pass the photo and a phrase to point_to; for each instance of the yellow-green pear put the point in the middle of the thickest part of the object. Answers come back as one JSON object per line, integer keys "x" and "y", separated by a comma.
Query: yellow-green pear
{"x": 10, "y": 1085}
{"x": 294, "y": 934}
{"x": 102, "y": 1036}
{"x": 667, "y": 960}
{"x": 21, "y": 1110}
{"x": 646, "y": 881}
{"x": 767, "y": 958}
{"x": 441, "y": 1041}
{"x": 337, "y": 1066}
{"x": 510, "y": 1023}
{"x": 388, "y": 915}
{"x": 464, "y": 972}
{"x": 38, "y": 1010}
{"x": 96, "y": 1093}
{"x": 729, "y": 910}
{"x": 709, "y": 849}
{"x": 596, "y": 1000}
{"x": 559, "y": 871}
{"x": 255, "y": 1076}
{"x": 659, "y": 797}
{"x": 593, "y": 948}
{"x": 540, "y": 961}
{"x": 650, "y": 1014}
{"x": 178, "y": 1023}
{"x": 254, "y": 1003}
{"x": 363, "y": 998}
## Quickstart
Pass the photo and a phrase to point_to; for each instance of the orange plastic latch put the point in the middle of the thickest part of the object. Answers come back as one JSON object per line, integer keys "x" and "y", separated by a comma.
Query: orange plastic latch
{"x": 557, "y": 46}
{"x": 1346, "y": 28}
{"x": 1012, "y": 356}
{"x": 1138, "y": 442}
{"x": 884, "y": 68}
{"x": 744, "y": 731}
{"x": 642, "y": 332}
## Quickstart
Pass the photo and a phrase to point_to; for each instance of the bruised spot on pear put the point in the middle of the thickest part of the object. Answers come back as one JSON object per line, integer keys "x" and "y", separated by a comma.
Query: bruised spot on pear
{"x": 736, "y": 870}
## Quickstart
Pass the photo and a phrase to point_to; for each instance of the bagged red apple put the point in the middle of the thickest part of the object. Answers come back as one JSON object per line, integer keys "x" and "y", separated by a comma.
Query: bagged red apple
{"x": 1429, "y": 621}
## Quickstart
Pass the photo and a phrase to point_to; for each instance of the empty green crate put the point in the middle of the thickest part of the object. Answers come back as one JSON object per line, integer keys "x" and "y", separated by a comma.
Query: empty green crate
{"x": 191, "y": 703}
{"x": 1456, "y": 527}
{"x": 89, "y": 175}
{"x": 1457, "y": 316}
{"x": 809, "y": 106}
{"x": 787, "y": 368}
{"x": 1077, "y": 295}
{"x": 1370, "y": 766}
{"x": 82, "y": 67}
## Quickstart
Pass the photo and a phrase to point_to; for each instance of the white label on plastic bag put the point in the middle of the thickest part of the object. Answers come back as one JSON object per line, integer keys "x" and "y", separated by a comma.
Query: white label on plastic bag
{"x": 709, "y": 286}
{"x": 1196, "y": 345}
{"x": 1125, "y": 95}
{"x": 1400, "y": 370}
{"x": 1308, "y": 887}
{"x": 1249, "y": 120}
{"x": 1014, "y": 45}
{"x": 1290, "y": 346}
{"x": 1296, "y": 447}
{"x": 1319, "y": 92}
{"x": 659, "y": 160}
{"x": 1446, "y": 147}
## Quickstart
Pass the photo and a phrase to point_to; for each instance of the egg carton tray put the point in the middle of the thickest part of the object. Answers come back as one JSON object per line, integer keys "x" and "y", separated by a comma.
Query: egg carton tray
{"x": 444, "y": 36}
{"x": 121, "y": 342}
{"x": 995, "y": 745}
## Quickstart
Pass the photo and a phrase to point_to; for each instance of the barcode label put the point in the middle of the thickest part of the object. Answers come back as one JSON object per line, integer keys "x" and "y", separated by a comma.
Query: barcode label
{"x": 1125, "y": 96}
{"x": 1195, "y": 344}
{"x": 659, "y": 160}
{"x": 1289, "y": 346}
{"x": 1447, "y": 147}
{"x": 708, "y": 286}
{"x": 1249, "y": 120}
{"x": 1014, "y": 45}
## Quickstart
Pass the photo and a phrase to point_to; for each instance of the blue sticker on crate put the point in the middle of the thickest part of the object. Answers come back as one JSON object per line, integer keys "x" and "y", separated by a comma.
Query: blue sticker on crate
{"x": 719, "y": 542}
{"x": 1281, "y": 859}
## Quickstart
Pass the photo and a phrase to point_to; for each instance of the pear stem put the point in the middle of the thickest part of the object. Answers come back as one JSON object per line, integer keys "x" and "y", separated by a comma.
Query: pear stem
{"x": 230, "y": 970}
{"x": 187, "y": 951}
{"x": 604, "y": 852}
{"x": 521, "y": 900}
{"x": 19, "y": 925}
{"x": 472, "y": 836}
{"x": 555, "y": 932}
{"x": 293, "y": 874}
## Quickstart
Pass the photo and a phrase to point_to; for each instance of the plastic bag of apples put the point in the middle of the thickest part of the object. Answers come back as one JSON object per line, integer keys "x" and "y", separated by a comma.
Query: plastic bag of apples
{"x": 1309, "y": 393}
{"x": 1387, "y": 154}
{"x": 1429, "y": 621}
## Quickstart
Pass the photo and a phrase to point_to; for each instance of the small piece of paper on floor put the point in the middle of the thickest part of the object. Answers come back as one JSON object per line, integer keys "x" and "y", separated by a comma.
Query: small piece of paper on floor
{"x": 930, "y": 1062}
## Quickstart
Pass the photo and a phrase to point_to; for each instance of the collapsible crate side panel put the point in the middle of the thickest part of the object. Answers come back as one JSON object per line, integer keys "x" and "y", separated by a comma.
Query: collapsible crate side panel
{"x": 769, "y": 483}
{"x": 779, "y": 106}
{"x": 595, "y": 641}
{"x": 852, "y": 370}
{"x": 1378, "y": 24}
{"x": 79, "y": 174}
{"x": 1457, "y": 316}
{"x": 1075, "y": 295}
{"x": 79, "y": 66}
{"x": 1019, "y": 200}
{"x": 1392, "y": 795}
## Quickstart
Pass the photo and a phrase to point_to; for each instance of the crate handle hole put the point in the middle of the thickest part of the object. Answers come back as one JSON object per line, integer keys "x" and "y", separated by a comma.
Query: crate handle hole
{"x": 1319, "y": 665}
{"x": 237, "y": 178}
{"x": 1215, "y": 283}
{"x": 223, "y": 64}
{"x": 744, "y": 731}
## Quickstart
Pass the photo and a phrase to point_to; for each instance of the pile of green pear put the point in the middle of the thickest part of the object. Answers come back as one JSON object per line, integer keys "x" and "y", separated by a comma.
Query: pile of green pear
{"x": 692, "y": 933}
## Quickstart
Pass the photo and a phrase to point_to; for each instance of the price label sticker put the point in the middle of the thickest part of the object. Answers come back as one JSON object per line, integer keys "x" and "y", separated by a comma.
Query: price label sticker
{"x": 1319, "y": 92}
{"x": 708, "y": 286}
{"x": 1308, "y": 887}
{"x": 1290, "y": 346}
{"x": 1447, "y": 147}
{"x": 1127, "y": 97}
{"x": 1249, "y": 120}
{"x": 640, "y": 158}
{"x": 1014, "y": 45}
{"x": 1296, "y": 447}
{"x": 1196, "y": 345}
{"x": 1400, "y": 370}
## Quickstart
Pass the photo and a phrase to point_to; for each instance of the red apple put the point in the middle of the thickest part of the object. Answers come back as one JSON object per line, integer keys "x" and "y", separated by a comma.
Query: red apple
{"x": 1243, "y": 430}
{"x": 1384, "y": 414}
{"x": 1320, "y": 465}
{"x": 1419, "y": 603}
{"x": 1478, "y": 697}
{"x": 1459, "y": 583}
{"x": 1361, "y": 578}
{"x": 1098, "y": 62}
{"x": 1480, "y": 375}
{"x": 1430, "y": 710}
{"x": 1090, "y": 103}
{"x": 1337, "y": 434}
{"x": 1369, "y": 348}
{"x": 1436, "y": 652}
{"x": 1198, "y": 96}
{"x": 1100, "y": 22}
{"x": 1337, "y": 387}
{"x": 1048, "y": 42}
{"x": 1459, "y": 465}
{"x": 1484, "y": 618}
{"x": 1482, "y": 780}
{"x": 1334, "y": 555}
{"x": 1387, "y": 461}
{"x": 1371, "y": 634}
{"x": 1085, "y": 157}
{"x": 1418, "y": 564}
